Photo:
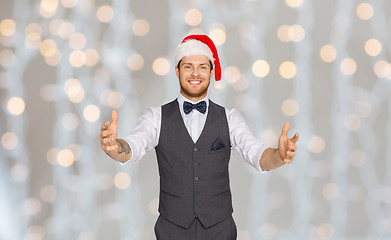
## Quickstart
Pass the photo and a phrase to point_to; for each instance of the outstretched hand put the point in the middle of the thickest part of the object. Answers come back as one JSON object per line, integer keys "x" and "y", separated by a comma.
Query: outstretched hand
{"x": 287, "y": 146}
{"x": 108, "y": 134}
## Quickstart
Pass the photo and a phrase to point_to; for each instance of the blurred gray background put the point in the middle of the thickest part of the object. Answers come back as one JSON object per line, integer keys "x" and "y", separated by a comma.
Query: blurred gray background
{"x": 324, "y": 66}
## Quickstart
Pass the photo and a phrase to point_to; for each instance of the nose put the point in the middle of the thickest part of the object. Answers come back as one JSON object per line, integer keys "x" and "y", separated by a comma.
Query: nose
{"x": 195, "y": 72}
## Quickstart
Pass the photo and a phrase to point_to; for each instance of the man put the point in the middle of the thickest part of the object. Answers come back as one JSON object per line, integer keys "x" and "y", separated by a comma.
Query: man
{"x": 193, "y": 138}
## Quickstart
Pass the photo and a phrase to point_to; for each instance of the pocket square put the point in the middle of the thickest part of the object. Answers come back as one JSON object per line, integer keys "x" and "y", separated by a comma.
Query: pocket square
{"x": 217, "y": 145}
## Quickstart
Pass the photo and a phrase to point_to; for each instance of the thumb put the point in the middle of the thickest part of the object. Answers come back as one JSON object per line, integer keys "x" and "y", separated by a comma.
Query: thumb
{"x": 114, "y": 117}
{"x": 285, "y": 129}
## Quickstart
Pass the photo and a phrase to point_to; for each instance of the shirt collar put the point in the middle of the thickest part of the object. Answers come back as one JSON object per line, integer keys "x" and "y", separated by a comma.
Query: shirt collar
{"x": 181, "y": 99}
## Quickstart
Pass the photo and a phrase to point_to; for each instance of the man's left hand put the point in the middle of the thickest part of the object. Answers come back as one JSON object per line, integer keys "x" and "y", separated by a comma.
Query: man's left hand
{"x": 287, "y": 146}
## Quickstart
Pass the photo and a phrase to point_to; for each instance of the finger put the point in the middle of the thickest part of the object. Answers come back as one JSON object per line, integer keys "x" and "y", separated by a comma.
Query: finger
{"x": 295, "y": 138}
{"x": 292, "y": 147}
{"x": 104, "y": 134}
{"x": 110, "y": 148}
{"x": 285, "y": 129}
{"x": 114, "y": 117}
{"x": 104, "y": 126}
{"x": 287, "y": 160}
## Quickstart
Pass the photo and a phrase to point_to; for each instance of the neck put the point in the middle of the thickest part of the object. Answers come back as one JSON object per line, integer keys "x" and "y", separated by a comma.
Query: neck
{"x": 194, "y": 98}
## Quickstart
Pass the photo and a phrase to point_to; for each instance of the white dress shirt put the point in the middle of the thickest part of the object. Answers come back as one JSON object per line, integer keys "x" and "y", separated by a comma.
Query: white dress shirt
{"x": 145, "y": 135}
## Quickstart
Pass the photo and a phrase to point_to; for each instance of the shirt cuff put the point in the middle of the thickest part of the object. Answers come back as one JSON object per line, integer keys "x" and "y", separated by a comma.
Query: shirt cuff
{"x": 259, "y": 154}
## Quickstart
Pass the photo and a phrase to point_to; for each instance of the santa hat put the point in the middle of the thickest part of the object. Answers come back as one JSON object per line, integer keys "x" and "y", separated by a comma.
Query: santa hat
{"x": 199, "y": 45}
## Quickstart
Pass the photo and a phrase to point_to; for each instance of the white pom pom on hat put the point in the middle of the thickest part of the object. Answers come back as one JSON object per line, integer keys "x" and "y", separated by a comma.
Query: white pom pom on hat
{"x": 198, "y": 45}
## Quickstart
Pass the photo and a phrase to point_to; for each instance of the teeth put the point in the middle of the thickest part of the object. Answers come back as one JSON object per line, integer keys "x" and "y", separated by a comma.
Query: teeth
{"x": 194, "y": 82}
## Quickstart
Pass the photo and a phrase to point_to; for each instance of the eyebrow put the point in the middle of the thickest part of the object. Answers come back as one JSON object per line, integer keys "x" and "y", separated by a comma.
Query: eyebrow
{"x": 185, "y": 63}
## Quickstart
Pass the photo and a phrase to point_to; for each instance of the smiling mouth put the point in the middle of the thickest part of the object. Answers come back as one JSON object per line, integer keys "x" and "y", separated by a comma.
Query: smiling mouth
{"x": 194, "y": 82}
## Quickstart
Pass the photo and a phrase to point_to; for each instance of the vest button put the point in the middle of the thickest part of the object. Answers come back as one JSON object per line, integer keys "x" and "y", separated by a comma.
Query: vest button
{"x": 196, "y": 178}
{"x": 197, "y": 164}
{"x": 195, "y": 149}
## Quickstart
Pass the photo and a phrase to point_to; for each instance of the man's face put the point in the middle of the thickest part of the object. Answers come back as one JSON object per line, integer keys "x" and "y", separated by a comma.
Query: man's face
{"x": 194, "y": 74}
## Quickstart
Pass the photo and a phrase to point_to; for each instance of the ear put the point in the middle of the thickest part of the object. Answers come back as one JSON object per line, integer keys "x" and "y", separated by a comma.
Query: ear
{"x": 177, "y": 71}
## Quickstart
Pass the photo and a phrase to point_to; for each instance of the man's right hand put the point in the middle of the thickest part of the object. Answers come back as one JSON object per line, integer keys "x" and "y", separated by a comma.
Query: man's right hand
{"x": 108, "y": 134}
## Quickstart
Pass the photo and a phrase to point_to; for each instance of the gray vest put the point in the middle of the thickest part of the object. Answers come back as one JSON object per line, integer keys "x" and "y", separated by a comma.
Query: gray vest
{"x": 194, "y": 179}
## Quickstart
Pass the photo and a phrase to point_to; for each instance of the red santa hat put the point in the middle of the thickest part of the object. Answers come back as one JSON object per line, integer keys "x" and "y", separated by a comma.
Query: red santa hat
{"x": 199, "y": 45}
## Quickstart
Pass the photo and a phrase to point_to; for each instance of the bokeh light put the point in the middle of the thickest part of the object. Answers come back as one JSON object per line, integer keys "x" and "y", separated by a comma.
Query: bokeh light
{"x": 32, "y": 206}
{"x": 54, "y": 58}
{"x": 325, "y": 231}
{"x": 352, "y": 122}
{"x": 122, "y": 180}
{"x": 140, "y": 27}
{"x": 290, "y": 107}
{"x": 7, "y": 27}
{"x": 69, "y": 3}
{"x": 283, "y": 33}
{"x": 328, "y": 53}
{"x": 294, "y": 3}
{"x": 287, "y": 70}
{"x": 261, "y": 68}
{"x": 51, "y": 156}
{"x": 65, "y": 158}
{"x": 295, "y": 33}
{"x": 105, "y": 13}
{"x": 135, "y": 62}
{"x": 112, "y": 99}
{"x": 161, "y": 66}
{"x": 16, "y": 106}
{"x": 193, "y": 17}
{"x": 36, "y": 232}
{"x": 316, "y": 144}
{"x": 65, "y": 30}
{"x": 7, "y": 57}
{"x": 33, "y": 34}
{"x": 231, "y": 74}
{"x": 19, "y": 172}
{"x": 74, "y": 90}
{"x": 91, "y": 113}
{"x": 77, "y": 58}
{"x": 373, "y": 47}
{"x": 331, "y": 191}
{"x": 241, "y": 85}
{"x": 77, "y": 41}
{"x": 92, "y": 57}
{"x": 48, "y": 8}
{"x": 217, "y": 34}
{"x": 382, "y": 69}
{"x": 364, "y": 11}
{"x": 348, "y": 66}
{"x": 48, "y": 47}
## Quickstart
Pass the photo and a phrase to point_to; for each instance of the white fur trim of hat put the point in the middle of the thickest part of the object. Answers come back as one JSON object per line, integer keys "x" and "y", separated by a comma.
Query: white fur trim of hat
{"x": 192, "y": 47}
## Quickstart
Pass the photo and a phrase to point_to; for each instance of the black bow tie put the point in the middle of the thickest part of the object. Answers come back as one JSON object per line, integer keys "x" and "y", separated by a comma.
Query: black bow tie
{"x": 188, "y": 107}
